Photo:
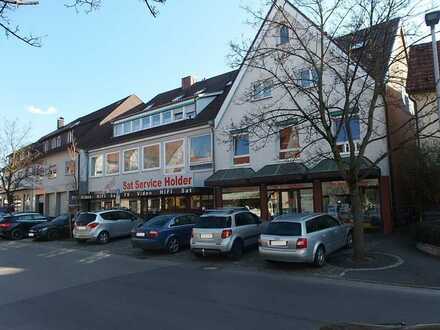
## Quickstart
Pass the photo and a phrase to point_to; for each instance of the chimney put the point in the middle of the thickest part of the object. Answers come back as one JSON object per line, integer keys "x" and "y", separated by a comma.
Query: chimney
{"x": 187, "y": 82}
{"x": 60, "y": 122}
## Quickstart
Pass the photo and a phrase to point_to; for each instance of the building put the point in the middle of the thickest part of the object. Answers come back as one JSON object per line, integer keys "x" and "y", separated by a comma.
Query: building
{"x": 278, "y": 175}
{"x": 157, "y": 156}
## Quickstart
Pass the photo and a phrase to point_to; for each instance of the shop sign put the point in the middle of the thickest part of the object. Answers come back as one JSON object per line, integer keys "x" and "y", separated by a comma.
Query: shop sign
{"x": 161, "y": 183}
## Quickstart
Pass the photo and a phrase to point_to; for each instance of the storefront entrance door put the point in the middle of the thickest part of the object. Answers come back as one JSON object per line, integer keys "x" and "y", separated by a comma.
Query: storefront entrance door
{"x": 289, "y": 201}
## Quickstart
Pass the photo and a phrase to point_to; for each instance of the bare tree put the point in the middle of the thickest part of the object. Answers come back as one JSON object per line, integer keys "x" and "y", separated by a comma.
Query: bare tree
{"x": 333, "y": 69}
{"x": 17, "y": 158}
{"x": 10, "y": 29}
{"x": 73, "y": 153}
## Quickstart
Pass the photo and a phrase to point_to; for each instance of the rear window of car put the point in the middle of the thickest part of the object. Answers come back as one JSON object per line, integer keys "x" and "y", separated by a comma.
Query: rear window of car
{"x": 85, "y": 218}
{"x": 214, "y": 222}
{"x": 283, "y": 228}
{"x": 7, "y": 219}
{"x": 159, "y": 221}
{"x": 60, "y": 220}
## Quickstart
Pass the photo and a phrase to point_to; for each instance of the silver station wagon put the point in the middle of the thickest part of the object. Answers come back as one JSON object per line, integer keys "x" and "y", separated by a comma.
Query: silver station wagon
{"x": 305, "y": 238}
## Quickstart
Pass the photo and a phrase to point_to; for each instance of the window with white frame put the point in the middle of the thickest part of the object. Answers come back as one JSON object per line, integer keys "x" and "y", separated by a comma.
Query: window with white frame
{"x": 190, "y": 111}
{"x": 289, "y": 143}
{"x": 343, "y": 129}
{"x": 174, "y": 156}
{"x": 96, "y": 165}
{"x": 131, "y": 160}
{"x": 69, "y": 169}
{"x": 308, "y": 78}
{"x": 52, "y": 171}
{"x": 118, "y": 129}
{"x": 200, "y": 151}
{"x": 155, "y": 120}
{"x": 241, "y": 149}
{"x": 284, "y": 34}
{"x": 146, "y": 122}
{"x": 151, "y": 156}
{"x": 127, "y": 127}
{"x": 136, "y": 125}
{"x": 112, "y": 163}
{"x": 262, "y": 89}
{"x": 178, "y": 114}
{"x": 166, "y": 117}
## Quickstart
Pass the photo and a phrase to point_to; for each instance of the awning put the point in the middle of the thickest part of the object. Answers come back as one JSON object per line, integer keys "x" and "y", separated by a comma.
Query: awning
{"x": 231, "y": 177}
{"x": 280, "y": 173}
{"x": 328, "y": 169}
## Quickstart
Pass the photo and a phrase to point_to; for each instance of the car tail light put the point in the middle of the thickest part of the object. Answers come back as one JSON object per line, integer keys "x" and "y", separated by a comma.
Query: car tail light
{"x": 92, "y": 225}
{"x": 153, "y": 234}
{"x": 301, "y": 243}
{"x": 226, "y": 233}
{"x": 5, "y": 225}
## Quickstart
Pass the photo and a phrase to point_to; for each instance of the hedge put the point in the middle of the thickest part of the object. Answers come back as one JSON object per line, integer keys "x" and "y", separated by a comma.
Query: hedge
{"x": 428, "y": 232}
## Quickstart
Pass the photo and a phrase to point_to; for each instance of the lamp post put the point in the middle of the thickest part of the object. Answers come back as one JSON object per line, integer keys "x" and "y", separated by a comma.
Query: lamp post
{"x": 431, "y": 20}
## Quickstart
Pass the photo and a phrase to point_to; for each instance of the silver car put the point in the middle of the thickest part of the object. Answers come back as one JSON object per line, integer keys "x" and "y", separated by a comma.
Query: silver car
{"x": 225, "y": 231}
{"x": 304, "y": 238}
{"x": 101, "y": 226}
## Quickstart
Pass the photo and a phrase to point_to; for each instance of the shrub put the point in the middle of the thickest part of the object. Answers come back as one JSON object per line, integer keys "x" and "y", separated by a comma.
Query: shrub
{"x": 428, "y": 232}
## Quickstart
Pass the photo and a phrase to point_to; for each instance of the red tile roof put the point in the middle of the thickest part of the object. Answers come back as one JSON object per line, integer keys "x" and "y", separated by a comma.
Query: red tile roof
{"x": 421, "y": 68}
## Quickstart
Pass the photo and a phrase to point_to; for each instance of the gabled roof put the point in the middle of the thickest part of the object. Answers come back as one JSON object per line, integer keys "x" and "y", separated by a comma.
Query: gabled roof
{"x": 421, "y": 68}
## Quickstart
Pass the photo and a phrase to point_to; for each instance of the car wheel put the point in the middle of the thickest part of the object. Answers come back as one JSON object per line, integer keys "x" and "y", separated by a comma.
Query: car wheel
{"x": 349, "y": 240}
{"x": 173, "y": 245}
{"x": 103, "y": 237}
{"x": 52, "y": 235}
{"x": 319, "y": 260}
{"x": 236, "y": 250}
{"x": 17, "y": 234}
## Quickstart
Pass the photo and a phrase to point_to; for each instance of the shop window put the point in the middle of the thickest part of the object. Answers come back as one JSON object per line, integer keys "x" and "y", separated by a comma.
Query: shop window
{"x": 261, "y": 89}
{"x": 284, "y": 34}
{"x": 151, "y": 156}
{"x": 169, "y": 203}
{"x": 131, "y": 160}
{"x": 174, "y": 156}
{"x": 133, "y": 206}
{"x": 241, "y": 149}
{"x": 289, "y": 143}
{"x": 200, "y": 149}
{"x": 181, "y": 203}
{"x": 112, "y": 163}
{"x": 96, "y": 165}
{"x": 243, "y": 197}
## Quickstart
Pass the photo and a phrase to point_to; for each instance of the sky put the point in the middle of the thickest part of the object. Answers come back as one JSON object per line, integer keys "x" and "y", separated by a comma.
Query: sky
{"x": 88, "y": 61}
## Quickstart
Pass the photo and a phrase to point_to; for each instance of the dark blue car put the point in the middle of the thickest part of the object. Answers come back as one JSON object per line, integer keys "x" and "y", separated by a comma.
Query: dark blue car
{"x": 168, "y": 232}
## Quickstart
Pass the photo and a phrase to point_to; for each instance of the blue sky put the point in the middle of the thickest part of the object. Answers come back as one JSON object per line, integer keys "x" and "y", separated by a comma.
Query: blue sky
{"x": 90, "y": 60}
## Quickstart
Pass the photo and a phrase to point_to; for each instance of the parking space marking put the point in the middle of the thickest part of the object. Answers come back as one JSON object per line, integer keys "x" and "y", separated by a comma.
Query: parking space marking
{"x": 399, "y": 261}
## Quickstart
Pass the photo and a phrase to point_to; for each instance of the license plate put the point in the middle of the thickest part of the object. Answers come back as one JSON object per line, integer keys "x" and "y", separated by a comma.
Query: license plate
{"x": 81, "y": 228}
{"x": 278, "y": 243}
{"x": 140, "y": 234}
{"x": 31, "y": 234}
{"x": 206, "y": 236}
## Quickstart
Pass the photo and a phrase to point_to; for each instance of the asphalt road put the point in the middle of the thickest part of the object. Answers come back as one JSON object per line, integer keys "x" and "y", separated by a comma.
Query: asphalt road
{"x": 47, "y": 287}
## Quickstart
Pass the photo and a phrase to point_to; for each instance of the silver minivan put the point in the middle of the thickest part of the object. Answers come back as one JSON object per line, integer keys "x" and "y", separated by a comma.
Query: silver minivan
{"x": 304, "y": 238}
{"x": 226, "y": 231}
{"x": 101, "y": 226}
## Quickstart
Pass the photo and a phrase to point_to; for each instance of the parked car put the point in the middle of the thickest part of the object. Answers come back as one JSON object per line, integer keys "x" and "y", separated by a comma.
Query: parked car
{"x": 101, "y": 226}
{"x": 226, "y": 231}
{"x": 304, "y": 238}
{"x": 59, "y": 227}
{"x": 17, "y": 226}
{"x": 168, "y": 232}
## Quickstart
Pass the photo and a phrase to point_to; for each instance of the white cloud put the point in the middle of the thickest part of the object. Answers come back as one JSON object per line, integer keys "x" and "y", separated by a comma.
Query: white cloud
{"x": 39, "y": 111}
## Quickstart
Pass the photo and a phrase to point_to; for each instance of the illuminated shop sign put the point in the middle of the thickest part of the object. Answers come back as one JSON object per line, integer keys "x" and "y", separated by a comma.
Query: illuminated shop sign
{"x": 162, "y": 183}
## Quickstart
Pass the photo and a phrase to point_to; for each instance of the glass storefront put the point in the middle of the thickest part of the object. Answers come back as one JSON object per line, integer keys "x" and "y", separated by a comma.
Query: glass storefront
{"x": 290, "y": 198}
{"x": 243, "y": 197}
{"x": 336, "y": 201}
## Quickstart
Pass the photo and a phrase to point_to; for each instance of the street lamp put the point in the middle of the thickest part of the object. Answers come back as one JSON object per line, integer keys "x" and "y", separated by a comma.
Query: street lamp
{"x": 431, "y": 20}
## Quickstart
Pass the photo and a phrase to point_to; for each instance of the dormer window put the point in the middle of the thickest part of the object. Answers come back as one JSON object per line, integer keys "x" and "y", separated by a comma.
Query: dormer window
{"x": 155, "y": 120}
{"x": 166, "y": 117}
{"x": 284, "y": 34}
{"x": 178, "y": 114}
{"x": 190, "y": 111}
{"x": 127, "y": 127}
{"x": 136, "y": 125}
{"x": 146, "y": 122}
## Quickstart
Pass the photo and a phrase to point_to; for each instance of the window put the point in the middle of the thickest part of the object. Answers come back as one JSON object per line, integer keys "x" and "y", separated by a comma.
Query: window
{"x": 46, "y": 146}
{"x": 244, "y": 219}
{"x": 118, "y": 130}
{"x": 131, "y": 160}
{"x": 146, "y": 122}
{"x": 174, "y": 156}
{"x": 151, "y": 157}
{"x": 166, "y": 117}
{"x": 342, "y": 129}
{"x": 357, "y": 44}
{"x": 289, "y": 143}
{"x": 127, "y": 127}
{"x": 156, "y": 120}
{"x": 283, "y": 228}
{"x": 330, "y": 221}
{"x": 308, "y": 78}
{"x": 69, "y": 168}
{"x": 200, "y": 149}
{"x": 136, "y": 125}
{"x": 112, "y": 163}
{"x": 52, "y": 171}
{"x": 241, "y": 149}
{"x": 70, "y": 137}
{"x": 96, "y": 165}
{"x": 284, "y": 34}
{"x": 214, "y": 222}
{"x": 178, "y": 114}
{"x": 262, "y": 89}
{"x": 190, "y": 111}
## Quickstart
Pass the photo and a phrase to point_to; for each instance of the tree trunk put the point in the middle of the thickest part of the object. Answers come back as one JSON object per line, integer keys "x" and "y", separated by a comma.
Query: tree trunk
{"x": 358, "y": 230}
{"x": 10, "y": 198}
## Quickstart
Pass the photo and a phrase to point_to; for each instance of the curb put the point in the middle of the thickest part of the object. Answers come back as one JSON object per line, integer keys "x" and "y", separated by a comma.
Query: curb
{"x": 429, "y": 249}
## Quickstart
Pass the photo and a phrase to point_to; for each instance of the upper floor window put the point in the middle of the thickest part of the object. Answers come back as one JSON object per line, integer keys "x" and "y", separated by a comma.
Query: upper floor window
{"x": 190, "y": 111}
{"x": 284, "y": 34}
{"x": 343, "y": 129}
{"x": 174, "y": 156}
{"x": 118, "y": 130}
{"x": 200, "y": 149}
{"x": 46, "y": 146}
{"x": 136, "y": 125}
{"x": 241, "y": 149}
{"x": 127, "y": 127}
{"x": 112, "y": 163}
{"x": 308, "y": 78}
{"x": 151, "y": 155}
{"x": 289, "y": 143}
{"x": 146, "y": 122}
{"x": 131, "y": 160}
{"x": 96, "y": 165}
{"x": 52, "y": 171}
{"x": 155, "y": 120}
{"x": 166, "y": 117}
{"x": 69, "y": 168}
{"x": 262, "y": 89}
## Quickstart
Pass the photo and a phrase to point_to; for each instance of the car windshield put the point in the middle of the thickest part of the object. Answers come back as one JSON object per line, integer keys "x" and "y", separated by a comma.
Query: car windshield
{"x": 85, "y": 218}
{"x": 283, "y": 228}
{"x": 60, "y": 220}
{"x": 159, "y": 221}
{"x": 214, "y": 222}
